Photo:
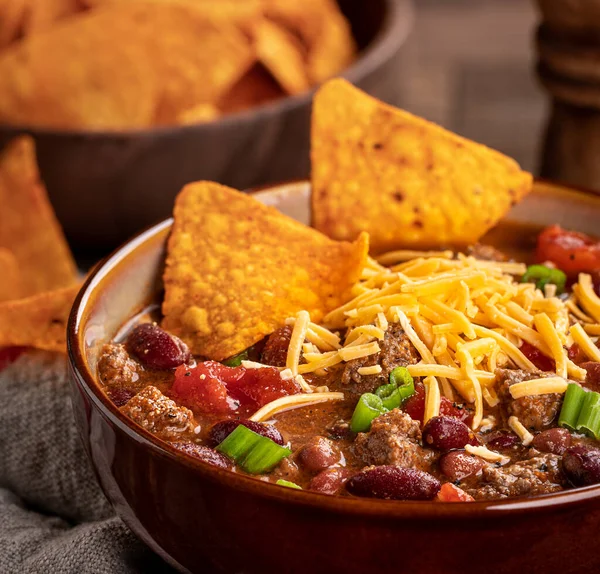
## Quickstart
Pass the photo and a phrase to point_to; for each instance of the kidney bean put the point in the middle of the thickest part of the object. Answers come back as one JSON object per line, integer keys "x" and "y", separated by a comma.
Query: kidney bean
{"x": 592, "y": 380}
{"x": 447, "y": 433}
{"x": 204, "y": 454}
{"x": 330, "y": 481}
{"x": 555, "y": 441}
{"x": 457, "y": 464}
{"x": 157, "y": 349}
{"x": 318, "y": 454}
{"x": 394, "y": 483}
{"x": 220, "y": 431}
{"x": 120, "y": 396}
{"x": 581, "y": 465}
{"x": 502, "y": 440}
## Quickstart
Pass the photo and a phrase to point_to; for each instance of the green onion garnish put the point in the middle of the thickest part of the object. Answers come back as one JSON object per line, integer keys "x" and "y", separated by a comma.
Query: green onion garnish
{"x": 368, "y": 408}
{"x": 390, "y": 396}
{"x": 581, "y": 411}
{"x": 542, "y": 276}
{"x": 254, "y": 453}
{"x": 236, "y": 360}
{"x": 406, "y": 385}
{"x": 589, "y": 417}
{"x": 289, "y": 484}
{"x": 571, "y": 408}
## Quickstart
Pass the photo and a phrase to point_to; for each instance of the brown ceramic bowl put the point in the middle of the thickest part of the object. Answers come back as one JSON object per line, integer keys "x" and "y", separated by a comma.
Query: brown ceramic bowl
{"x": 204, "y": 519}
{"x": 107, "y": 186}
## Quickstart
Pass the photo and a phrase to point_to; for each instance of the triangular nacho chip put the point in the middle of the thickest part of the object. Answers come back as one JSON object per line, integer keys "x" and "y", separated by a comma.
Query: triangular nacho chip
{"x": 29, "y": 228}
{"x": 408, "y": 182}
{"x": 236, "y": 269}
{"x": 10, "y": 285}
{"x": 39, "y": 321}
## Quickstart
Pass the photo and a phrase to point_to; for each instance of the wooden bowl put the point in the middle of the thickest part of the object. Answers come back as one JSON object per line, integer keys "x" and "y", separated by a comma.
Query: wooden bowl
{"x": 107, "y": 186}
{"x": 203, "y": 519}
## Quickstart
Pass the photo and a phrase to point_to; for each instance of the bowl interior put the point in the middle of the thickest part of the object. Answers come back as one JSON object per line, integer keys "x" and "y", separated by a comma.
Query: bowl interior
{"x": 130, "y": 280}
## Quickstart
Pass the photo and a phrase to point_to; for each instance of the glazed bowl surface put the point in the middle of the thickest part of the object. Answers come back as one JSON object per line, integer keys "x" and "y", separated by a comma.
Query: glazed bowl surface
{"x": 106, "y": 186}
{"x": 203, "y": 519}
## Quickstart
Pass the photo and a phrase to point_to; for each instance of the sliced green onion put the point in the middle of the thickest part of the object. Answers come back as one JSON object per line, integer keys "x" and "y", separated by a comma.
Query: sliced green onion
{"x": 542, "y": 276}
{"x": 368, "y": 408}
{"x": 571, "y": 408}
{"x": 236, "y": 360}
{"x": 406, "y": 385}
{"x": 390, "y": 396}
{"x": 254, "y": 453}
{"x": 289, "y": 484}
{"x": 589, "y": 417}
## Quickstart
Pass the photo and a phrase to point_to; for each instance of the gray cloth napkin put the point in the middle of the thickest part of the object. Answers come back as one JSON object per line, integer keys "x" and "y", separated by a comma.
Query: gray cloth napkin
{"x": 53, "y": 515}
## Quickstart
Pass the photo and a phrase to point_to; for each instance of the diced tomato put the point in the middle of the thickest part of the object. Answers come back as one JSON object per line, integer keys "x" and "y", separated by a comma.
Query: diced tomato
{"x": 451, "y": 493}
{"x": 415, "y": 407}
{"x": 204, "y": 388}
{"x": 541, "y": 361}
{"x": 9, "y": 355}
{"x": 257, "y": 387}
{"x": 570, "y": 251}
{"x": 214, "y": 388}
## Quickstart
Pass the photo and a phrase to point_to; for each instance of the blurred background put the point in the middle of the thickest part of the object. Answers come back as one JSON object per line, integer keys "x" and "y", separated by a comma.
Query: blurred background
{"x": 120, "y": 127}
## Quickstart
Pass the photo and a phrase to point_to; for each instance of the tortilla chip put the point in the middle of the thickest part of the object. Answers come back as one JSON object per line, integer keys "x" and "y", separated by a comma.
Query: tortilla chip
{"x": 322, "y": 29}
{"x": 29, "y": 228}
{"x": 406, "y": 181}
{"x": 198, "y": 115}
{"x": 12, "y": 16}
{"x": 236, "y": 269}
{"x": 39, "y": 321}
{"x": 10, "y": 286}
{"x": 197, "y": 58}
{"x": 91, "y": 70}
{"x": 281, "y": 54}
{"x": 42, "y": 14}
{"x": 255, "y": 88}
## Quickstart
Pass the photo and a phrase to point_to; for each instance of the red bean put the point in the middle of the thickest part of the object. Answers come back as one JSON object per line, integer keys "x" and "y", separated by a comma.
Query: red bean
{"x": 592, "y": 380}
{"x": 555, "y": 441}
{"x": 457, "y": 464}
{"x": 157, "y": 349}
{"x": 318, "y": 454}
{"x": 219, "y": 432}
{"x": 502, "y": 440}
{"x": 120, "y": 396}
{"x": 447, "y": 433}
{"x": 581, "y": 465}
{"x": 204, "y": 454}
{"x": 276, "y": 347}
{"x": 330, "y": 481}
{"x": 394, "y": 483}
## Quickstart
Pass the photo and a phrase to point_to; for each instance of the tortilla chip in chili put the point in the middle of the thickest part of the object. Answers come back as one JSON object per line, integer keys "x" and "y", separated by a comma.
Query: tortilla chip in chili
{"x": 10, "y": 285}
{"x": 29, "y": 229}
{"x": 236, "y": 269}
{"x": 42, "y": 14}
{"x": 406, "y": 181}
{"x": 39, "y": 321}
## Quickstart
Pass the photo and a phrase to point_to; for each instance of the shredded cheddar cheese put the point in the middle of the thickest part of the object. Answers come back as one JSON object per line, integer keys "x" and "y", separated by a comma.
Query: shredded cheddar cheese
{"x": 464, "y": 317}
{"x": 538, "y": 387}
{"x": 517, "y": 426}
{"x": 486, "y": 454}
{"x": 293, "y": 402}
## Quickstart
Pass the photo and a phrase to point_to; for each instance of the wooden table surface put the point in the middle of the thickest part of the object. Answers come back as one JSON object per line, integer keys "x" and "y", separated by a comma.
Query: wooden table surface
{"x": 469, "y": 65}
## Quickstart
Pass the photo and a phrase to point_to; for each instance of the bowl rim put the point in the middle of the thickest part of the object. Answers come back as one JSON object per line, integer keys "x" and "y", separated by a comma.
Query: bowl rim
{"x": 340, "y": 504}
{"x": 395, "y": 28}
